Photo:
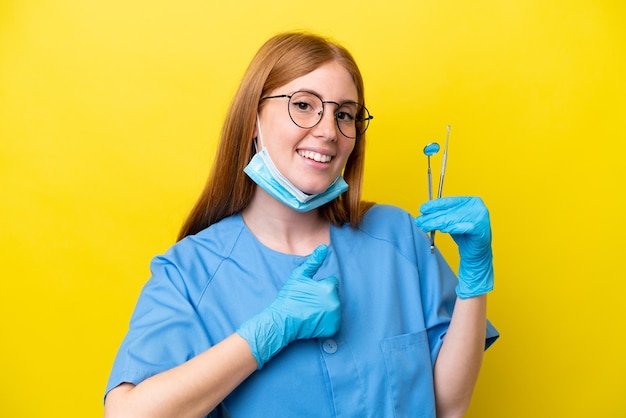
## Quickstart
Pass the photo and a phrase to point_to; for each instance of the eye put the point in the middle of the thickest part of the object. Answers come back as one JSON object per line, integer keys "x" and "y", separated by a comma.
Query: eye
{"x": 344, "y": 116}
{"x": 347, "y": 112}
{"x": 303, "y": 102}
{"x": 302, "y": 106}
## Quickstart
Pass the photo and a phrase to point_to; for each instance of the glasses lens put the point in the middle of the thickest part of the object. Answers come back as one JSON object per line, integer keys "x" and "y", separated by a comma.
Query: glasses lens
{"x": 362, "y": 120}
{"x": 352, "y": 119}
{"x": 305, "y": 109}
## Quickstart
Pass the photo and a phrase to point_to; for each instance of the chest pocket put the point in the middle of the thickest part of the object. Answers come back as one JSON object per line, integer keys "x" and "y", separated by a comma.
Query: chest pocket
{"x": 410, "y": 375}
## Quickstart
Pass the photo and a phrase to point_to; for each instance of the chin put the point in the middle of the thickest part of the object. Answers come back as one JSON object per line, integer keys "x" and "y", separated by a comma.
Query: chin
{"x": 314, "y": 186}
{"x": 315, "y": 189}
{"x": 312, "y": 191}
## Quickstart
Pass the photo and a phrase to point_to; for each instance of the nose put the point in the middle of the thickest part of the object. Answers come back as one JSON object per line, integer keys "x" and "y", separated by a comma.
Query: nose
{"x": 327, "y": 126}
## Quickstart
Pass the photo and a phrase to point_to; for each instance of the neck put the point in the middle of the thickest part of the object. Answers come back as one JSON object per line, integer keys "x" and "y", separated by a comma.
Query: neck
{"x": 283, "y": 229}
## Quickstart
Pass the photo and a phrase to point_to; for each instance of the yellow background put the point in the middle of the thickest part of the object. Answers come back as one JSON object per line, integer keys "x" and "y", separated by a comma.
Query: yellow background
{"x": 109, "y": 114}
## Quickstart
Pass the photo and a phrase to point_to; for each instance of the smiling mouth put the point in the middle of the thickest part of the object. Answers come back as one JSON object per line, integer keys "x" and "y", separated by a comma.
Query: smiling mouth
{"x": 315, "y": 156}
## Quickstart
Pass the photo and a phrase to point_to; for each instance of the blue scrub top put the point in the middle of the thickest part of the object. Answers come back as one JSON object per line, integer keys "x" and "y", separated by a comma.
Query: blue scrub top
{"x": 396, "y": 304}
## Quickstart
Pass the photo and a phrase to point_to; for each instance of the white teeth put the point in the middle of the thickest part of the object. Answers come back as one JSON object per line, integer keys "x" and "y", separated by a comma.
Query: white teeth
{"x": 316, "y": 156}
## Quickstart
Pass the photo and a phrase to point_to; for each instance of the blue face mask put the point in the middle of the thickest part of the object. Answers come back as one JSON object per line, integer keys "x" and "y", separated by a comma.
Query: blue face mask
{"x": 264, "y": 172}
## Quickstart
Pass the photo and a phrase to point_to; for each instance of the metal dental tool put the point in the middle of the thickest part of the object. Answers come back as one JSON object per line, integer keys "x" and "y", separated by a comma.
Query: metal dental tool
{"x": 443, "y": 164}
{"x": 432, "y": 149}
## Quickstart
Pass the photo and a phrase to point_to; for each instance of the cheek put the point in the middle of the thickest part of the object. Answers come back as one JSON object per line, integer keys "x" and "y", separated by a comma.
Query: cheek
{"x": 277, "y": 130}
{"x": 346, "y": 150}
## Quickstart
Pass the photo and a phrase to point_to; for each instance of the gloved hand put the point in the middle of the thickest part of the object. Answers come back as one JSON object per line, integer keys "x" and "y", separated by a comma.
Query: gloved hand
{"x": 467, "y": 221}
{"x": 303, "y": 308}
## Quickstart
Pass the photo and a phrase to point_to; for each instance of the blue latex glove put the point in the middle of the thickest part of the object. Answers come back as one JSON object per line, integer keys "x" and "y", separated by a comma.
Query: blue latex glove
{"x": 304, "y": 308}
{"x": 467, "y": 221}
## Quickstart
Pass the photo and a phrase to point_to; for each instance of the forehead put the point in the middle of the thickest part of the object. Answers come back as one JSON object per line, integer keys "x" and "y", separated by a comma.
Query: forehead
{"x": 331, "y": 81}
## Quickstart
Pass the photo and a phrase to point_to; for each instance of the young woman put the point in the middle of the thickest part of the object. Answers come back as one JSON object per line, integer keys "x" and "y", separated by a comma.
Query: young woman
{"x": 286, "y": 295}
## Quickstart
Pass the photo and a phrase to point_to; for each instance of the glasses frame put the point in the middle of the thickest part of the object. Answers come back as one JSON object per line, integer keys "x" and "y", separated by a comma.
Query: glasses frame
{"x": 365, "y": 121}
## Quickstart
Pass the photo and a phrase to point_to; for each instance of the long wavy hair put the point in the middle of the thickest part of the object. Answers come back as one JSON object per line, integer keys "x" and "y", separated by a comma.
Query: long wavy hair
{"x": 280, "y": 60}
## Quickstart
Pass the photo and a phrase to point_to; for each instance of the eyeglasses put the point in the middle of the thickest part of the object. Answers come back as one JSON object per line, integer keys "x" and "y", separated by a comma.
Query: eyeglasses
{"x": 306, "y": 110}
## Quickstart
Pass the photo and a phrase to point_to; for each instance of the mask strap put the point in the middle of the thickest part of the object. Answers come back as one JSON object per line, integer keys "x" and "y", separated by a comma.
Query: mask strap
{"x": 260, "y": 136}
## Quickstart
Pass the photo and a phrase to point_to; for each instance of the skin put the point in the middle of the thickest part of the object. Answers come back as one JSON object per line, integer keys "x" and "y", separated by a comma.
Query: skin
{"x": 194, "y": 388}
{"x": 286, "y": 142}
{"x": 274, "y": 224}
{"x": 458, "y": 364}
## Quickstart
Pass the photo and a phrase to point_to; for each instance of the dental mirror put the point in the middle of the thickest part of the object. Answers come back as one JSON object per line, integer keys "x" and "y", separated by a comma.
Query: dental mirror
{"x": 430, "y": 150}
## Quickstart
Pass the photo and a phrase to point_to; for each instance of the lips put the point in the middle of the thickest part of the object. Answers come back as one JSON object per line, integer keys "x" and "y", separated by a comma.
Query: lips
{"x": 315, "y": 156}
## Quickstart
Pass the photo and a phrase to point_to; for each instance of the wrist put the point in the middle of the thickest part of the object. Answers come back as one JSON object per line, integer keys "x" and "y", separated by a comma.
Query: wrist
{"x": 475, "y": 278}
{"x": 265, "y": 335}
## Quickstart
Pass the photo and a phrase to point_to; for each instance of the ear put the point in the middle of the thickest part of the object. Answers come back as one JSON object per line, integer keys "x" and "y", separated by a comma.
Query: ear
{"x": 255, "y": 133}
{"x": 257, "y": 139}
{"x": 255, "y": 144}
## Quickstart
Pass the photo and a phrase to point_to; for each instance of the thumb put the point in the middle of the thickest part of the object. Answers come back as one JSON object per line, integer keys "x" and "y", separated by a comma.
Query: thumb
{"x": 331, "y": 280}
{"x": 313, "y": 263}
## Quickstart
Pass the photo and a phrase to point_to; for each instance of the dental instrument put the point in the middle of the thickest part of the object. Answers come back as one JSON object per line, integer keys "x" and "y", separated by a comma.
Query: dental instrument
{"x": 429, "y": 150}
{"x": 443, "y": 164}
